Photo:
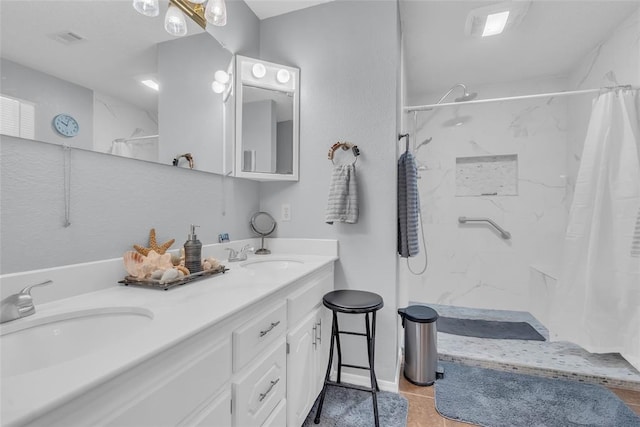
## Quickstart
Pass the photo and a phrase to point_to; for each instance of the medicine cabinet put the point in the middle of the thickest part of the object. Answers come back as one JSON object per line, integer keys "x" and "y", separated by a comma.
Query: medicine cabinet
{"x": 263, "y": 143}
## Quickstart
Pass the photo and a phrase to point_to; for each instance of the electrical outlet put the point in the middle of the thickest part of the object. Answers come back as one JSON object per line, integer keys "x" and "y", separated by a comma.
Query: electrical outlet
{"x": 286, "y": 212}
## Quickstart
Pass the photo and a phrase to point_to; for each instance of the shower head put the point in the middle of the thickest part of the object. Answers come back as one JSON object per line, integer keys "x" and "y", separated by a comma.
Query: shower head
{"x": 465, "y": 97}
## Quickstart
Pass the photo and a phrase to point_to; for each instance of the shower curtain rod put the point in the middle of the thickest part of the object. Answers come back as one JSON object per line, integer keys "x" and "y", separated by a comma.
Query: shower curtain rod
{"x": 515, "y": 98}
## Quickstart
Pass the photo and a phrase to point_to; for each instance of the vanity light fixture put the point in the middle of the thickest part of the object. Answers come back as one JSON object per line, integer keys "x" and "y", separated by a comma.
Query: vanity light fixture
{"x": 214, "y": 12}
{"x": 258, "y": 70}
{"x": 283, "y": 76}
{"x": 222, "y": 83}
{"x": 152, "y": 84}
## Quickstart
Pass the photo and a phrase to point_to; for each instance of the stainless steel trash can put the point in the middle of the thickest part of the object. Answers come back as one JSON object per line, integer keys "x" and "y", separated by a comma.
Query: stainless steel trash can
{"x": 420, "y": 344}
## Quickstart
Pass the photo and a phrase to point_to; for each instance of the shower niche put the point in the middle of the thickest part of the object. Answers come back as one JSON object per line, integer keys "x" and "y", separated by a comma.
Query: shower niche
{"x": 487, "y": 175}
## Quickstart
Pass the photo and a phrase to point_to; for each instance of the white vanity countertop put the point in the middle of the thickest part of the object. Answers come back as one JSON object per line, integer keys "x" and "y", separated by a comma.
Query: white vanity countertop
{"x": 177, "y": 314}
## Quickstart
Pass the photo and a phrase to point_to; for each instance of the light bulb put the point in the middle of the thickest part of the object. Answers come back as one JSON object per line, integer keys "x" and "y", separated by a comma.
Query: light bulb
{"x": 222, "y": 77}
{"x": 216, "y": 13}
{"x": 258, "y": 70}
{"x": 217, "y": 87}
{"x": 175, "y": 22}
{"x": 283, "y": 75}
{"x": 147, "y": 7}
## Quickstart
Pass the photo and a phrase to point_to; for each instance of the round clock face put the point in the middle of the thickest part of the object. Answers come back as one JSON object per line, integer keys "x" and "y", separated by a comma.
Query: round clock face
{"x": 66, "y": 125}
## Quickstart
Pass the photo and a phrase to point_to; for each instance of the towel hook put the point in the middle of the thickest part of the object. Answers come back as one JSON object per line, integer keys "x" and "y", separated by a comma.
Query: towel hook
{"x": 345, "y": 146}
{"x": 404, "y": 135}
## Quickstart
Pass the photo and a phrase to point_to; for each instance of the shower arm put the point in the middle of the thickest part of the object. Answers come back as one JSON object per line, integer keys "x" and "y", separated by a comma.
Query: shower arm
{"x": 504, "y": 233}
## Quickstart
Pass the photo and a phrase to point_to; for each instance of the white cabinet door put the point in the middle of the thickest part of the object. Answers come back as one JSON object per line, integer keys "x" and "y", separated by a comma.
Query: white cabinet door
{"x": 323, "y": 343}
{"x": 300, "y": 367}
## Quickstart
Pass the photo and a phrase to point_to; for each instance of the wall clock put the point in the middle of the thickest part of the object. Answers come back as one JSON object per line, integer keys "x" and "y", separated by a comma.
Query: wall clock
{"x": 66, "y": 125}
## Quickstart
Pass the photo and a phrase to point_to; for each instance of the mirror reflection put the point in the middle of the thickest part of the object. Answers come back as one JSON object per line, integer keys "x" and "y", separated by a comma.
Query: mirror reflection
{"x": 267, "y": 130}
{"x": 133, "y": 89}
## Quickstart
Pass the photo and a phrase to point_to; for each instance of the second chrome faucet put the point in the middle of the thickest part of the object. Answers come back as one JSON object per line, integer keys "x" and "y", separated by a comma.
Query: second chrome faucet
{"x": 239, "y": 255}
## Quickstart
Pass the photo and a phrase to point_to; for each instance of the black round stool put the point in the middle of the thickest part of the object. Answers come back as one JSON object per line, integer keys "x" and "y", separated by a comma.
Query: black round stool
{"x": 352, "y": 302}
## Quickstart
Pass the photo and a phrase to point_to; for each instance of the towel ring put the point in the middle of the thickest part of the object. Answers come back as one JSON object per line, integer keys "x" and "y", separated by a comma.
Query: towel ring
{"x": 345, "y": 146}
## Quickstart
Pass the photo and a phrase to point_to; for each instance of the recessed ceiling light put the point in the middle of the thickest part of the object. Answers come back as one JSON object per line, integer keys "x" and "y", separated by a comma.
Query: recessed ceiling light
{"x": 495, "y": 23}
{"x": 151, "y": 83}
{"x": 495, "y": 18}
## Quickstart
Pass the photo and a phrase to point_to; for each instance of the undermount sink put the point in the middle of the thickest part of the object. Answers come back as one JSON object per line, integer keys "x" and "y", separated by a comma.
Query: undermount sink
{"x": 30, "y": 344}
{"x": 271, "y": 265}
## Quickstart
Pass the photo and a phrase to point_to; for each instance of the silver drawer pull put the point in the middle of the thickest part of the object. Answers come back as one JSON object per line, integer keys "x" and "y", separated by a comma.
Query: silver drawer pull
{"x": 263, "y": 395}
{"x": 273, "y": 325}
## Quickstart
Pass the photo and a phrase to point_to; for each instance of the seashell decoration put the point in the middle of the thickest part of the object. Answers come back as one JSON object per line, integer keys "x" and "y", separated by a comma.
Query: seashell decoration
{"x": 169, "y": 276}
{"x": 210, "y": 263}
{"x": 133, "y": 264}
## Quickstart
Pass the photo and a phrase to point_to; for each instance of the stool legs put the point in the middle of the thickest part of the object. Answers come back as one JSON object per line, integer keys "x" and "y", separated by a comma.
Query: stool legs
{"x": 371, "y": 340}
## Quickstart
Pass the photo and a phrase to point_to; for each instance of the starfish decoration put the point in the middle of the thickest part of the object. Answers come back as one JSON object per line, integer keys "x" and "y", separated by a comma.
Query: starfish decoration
{"x": 153, "y": 245}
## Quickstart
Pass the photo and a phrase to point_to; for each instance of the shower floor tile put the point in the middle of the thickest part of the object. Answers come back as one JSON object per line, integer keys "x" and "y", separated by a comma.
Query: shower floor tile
{"x": 550, "y": 359}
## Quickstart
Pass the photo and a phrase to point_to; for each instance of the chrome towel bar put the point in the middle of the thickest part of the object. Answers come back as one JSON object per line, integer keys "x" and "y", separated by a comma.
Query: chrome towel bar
{"x": 504, "y": 233}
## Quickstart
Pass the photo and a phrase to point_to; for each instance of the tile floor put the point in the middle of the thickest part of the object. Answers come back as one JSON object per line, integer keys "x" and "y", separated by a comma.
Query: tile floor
{"x": 550, "y": 359}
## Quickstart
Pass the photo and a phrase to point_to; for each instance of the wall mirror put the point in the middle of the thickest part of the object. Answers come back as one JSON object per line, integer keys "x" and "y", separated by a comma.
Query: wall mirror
{"x": 266, "y": 142}
{"x": 87, "y": 60}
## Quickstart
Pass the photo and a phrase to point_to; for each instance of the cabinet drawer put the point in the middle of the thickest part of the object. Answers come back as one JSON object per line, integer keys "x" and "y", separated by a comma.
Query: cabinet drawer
{"x": 260, "y": 390}
{"x": 278, "y": 417}
{"x": 254, "y": 336}
{"x": 301, "y": 302}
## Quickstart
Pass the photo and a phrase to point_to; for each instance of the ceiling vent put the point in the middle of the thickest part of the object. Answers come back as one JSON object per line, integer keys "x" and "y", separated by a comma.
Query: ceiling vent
{"x": 68, "y": 37}
{"x": 479, "y": 19}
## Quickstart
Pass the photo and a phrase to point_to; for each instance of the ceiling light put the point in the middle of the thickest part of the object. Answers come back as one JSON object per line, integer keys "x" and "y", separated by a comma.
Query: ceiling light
{"x": 496, "y": 18}
{"x": 258, "y": 70}
{"x": 175, "y": 22}
{"x": 495, "y": 23}
{"x": 151, "y": 83}
{"x": 147, "y": 7}
{"x": 216, "y": 13}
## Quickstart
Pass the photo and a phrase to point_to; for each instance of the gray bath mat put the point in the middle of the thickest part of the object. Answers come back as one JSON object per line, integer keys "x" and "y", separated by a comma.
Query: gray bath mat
{"x": 491, "y": 398}
{"x": 488, "y": 329}
{"x": 353, "y": 408}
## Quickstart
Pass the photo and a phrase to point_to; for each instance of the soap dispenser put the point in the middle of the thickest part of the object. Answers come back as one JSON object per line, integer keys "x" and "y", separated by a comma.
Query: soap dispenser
{"x": 193, "y": 252}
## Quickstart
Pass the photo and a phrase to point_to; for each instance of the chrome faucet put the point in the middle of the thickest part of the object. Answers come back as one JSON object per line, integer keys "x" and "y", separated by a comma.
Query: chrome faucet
{"x": 239, "y": 256}
{"x": 19, "y": 305}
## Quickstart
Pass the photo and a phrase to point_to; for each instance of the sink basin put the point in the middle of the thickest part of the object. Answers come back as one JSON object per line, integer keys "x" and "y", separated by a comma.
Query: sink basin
{"x": 30, "y": 344}
{"x": 271, "y": 265}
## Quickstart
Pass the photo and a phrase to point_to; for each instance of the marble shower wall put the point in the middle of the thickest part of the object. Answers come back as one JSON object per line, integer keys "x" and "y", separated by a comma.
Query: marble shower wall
{"x": 470, "y": 264}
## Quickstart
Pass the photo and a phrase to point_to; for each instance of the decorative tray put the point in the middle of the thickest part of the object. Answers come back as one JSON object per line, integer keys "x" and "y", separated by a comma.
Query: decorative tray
{"x": 155, "y": 284}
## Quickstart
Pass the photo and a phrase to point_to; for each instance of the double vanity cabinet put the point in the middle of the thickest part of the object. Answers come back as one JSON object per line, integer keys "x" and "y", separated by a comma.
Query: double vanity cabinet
{"x": 263, "y": 364}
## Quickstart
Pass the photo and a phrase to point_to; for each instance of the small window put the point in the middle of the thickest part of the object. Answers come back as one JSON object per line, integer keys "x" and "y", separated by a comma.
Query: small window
{"x": 17, "y": 117}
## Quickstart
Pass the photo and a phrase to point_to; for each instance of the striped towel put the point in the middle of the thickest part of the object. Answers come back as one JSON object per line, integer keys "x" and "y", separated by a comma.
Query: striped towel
{"x": 342, "y": 205}
{"x": 408, "y": 206}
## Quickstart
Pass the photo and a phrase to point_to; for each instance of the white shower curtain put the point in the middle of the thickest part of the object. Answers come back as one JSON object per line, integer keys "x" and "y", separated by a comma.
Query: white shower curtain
{"x": 597, "y": 300}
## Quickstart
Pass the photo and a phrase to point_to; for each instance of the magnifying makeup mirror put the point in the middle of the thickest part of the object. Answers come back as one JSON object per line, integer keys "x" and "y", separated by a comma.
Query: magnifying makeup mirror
{"x": 263, "y": 224}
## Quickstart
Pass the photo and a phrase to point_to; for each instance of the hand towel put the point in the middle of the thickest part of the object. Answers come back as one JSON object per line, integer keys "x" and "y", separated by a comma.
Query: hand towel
{"x": 408, "y": 206}
{"x": 342, "y": 204}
